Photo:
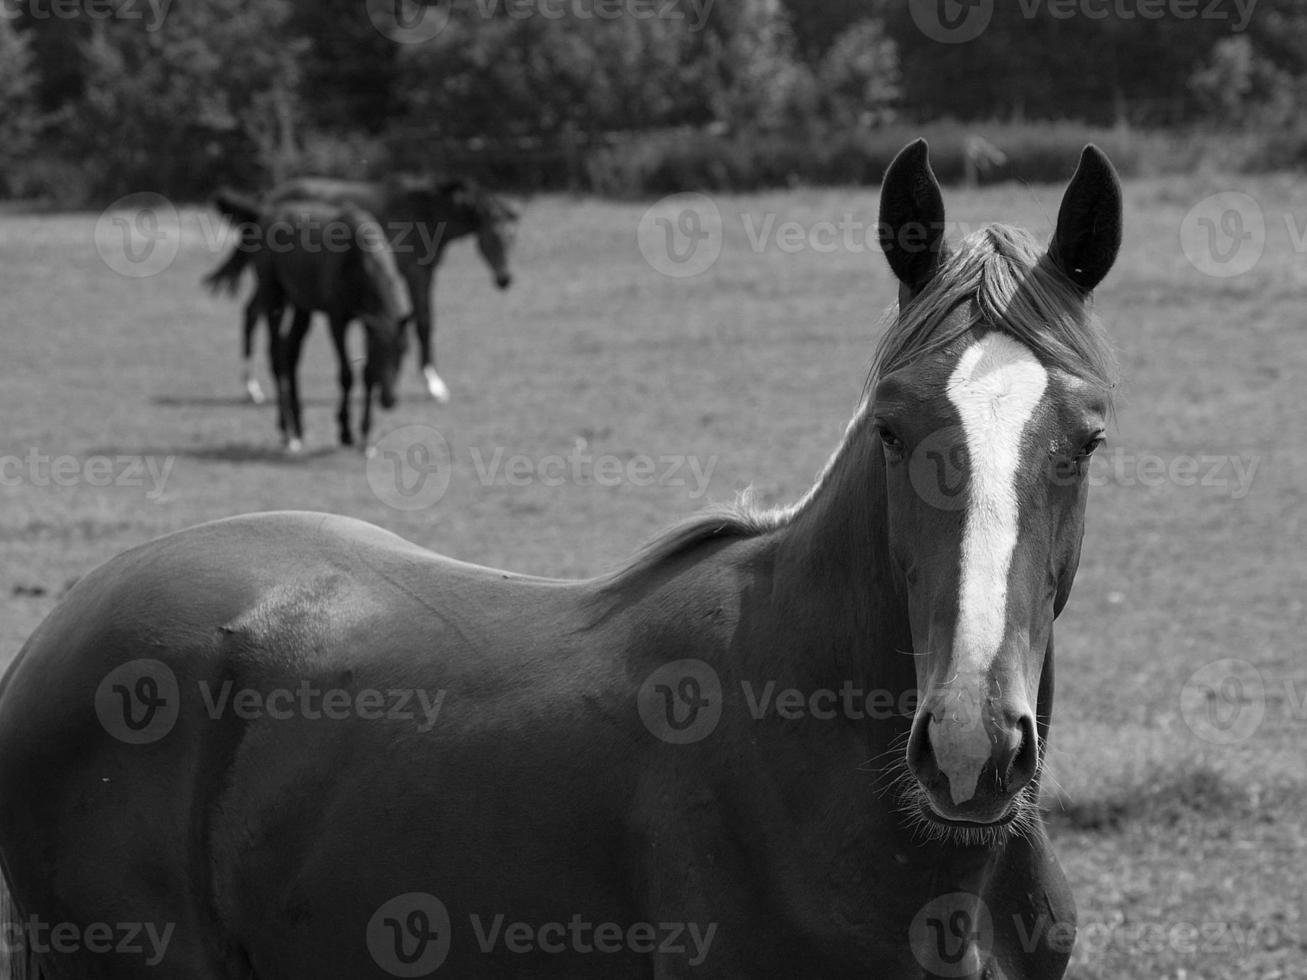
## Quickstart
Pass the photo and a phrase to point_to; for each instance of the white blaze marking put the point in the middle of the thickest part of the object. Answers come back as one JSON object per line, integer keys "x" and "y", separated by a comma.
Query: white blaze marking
{"x": 995, "y": 387}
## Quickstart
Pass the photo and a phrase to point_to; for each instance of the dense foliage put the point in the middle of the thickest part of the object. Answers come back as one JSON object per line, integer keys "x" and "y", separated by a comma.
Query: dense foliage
{"x": 596, "y": 93}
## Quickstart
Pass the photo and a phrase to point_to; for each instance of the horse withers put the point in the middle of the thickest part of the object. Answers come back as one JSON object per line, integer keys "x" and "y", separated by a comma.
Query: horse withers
{"x": 793, "y": 743}
{"x": 334, "y": 259}
{"x": 421, "y": 217}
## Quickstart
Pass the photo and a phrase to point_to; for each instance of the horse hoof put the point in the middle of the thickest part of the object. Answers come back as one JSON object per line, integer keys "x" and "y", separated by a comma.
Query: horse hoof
{"x": 254, "y": 393}
{"x": 369, "y": 452}
{"x": 294, "y": 446}
{"x": 436, "y": 386}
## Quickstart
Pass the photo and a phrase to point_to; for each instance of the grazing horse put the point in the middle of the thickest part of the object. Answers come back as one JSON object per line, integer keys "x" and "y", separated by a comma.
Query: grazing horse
{"x": 421, "y": 218}
{"x": 334, "y": 259}
{"x": 796, "y": 743}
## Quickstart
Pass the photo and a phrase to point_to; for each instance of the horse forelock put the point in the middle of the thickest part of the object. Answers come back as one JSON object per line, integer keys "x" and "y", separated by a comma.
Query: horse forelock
{"x": 1001, "y": 280}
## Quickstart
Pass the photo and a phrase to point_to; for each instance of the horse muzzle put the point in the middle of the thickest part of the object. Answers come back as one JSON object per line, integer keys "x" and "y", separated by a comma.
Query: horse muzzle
{"x": 503, "y": 280}
{"x": 972, "y": 758}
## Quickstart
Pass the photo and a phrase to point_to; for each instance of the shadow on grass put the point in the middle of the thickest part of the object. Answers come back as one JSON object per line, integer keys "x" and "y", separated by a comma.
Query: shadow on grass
{"x": 1169, "y": 798}
{"x": 234, "y": 452}
{"x": 229, "y": 401}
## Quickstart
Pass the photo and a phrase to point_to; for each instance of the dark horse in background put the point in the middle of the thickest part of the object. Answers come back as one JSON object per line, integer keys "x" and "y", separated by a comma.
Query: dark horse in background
{"x": 421, "y": 217}
{"x": 598, "y": 755}
{"x": 335, "y": 259}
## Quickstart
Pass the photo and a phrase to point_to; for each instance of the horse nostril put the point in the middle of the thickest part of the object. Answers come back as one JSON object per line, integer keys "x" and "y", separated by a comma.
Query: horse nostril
{"x": 921, "y": 755}
{"x": 1023, "y": 758}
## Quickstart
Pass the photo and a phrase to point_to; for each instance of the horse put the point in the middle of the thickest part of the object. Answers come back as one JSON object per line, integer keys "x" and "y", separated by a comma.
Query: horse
{"x": 336, "y": 259}
{"x": 421, "y": 218}
{"x": 800, "y": 742}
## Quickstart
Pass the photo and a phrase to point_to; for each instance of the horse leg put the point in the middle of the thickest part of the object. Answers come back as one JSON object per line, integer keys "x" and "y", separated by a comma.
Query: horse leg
{"x": 294, "y": 346}
{"x": 248, "y": 381}
{"x": 278, "y": 353}
{"x": 346, "y": 376}
{"x": 419, "y": 287}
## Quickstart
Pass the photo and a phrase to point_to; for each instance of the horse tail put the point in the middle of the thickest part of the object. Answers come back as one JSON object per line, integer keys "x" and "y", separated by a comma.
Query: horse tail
{"x": 17, "y": 960}
{"x": 246, "y": 213}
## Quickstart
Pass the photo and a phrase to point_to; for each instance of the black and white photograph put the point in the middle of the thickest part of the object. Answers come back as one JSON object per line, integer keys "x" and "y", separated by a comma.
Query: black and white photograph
{"x": 587, "y": 489}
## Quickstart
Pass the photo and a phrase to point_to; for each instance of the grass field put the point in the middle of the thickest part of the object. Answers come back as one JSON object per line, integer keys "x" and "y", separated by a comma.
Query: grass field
{"x": 1186, "y": 853}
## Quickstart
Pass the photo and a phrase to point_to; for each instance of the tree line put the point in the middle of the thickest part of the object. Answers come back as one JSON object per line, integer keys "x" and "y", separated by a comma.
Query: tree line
{"x": 105, "y": 96}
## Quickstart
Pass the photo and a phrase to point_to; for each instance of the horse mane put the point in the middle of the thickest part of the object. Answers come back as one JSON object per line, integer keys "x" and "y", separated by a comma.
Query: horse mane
{"x": 1006, "y": 282}
{"x": 378, "y": 261}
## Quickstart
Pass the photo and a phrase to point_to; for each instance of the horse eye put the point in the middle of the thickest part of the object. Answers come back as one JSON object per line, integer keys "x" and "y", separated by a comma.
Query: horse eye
{"x": 1088, "y": 448}
{"x": 889, "y": 440}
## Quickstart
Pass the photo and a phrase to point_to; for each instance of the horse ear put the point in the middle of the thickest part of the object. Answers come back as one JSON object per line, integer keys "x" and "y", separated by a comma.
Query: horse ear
{"x": 1088, "y": 235}
{"x": 912, "y": 218}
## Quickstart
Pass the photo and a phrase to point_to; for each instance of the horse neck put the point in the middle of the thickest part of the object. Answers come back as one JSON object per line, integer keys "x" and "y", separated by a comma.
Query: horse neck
{"x": 834, "y": 582}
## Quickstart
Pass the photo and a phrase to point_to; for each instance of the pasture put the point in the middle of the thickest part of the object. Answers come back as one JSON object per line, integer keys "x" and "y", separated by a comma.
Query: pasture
{"x": 598, "y": 400}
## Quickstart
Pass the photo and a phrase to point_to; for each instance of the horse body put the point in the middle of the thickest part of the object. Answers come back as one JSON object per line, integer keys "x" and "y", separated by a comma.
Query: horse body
{"x": 537, "y": 794}
{"x": 334, "y": 259}
{"x": 619, "y": 750}
{"x": 421, "y": 219}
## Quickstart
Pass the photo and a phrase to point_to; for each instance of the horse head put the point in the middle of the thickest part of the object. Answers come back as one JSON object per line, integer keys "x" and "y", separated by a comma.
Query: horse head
{"x": 990, "y": 394}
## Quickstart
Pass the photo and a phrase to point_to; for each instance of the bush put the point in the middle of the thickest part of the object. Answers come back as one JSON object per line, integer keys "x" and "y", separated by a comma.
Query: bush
{"x": 20, "y": 120}
{"x": 665, "y": 163}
